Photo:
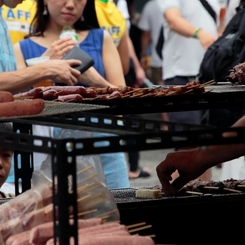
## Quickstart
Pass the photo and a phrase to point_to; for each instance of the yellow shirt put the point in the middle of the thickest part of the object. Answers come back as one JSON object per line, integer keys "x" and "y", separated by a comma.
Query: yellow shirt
{"x": 111, "y": 19}
{"x": 19, "y": 19}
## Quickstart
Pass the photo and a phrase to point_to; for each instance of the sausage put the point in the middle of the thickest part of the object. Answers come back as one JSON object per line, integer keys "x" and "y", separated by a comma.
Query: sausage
{"x": 21, "y": 108}
{"x": 19, "y": 239}
{"x": 70, "y": 98}
{"x": 31, "y": 94}
{"x": 50, "y": 94}
{"x": 43, "y": 232}
{"x": 111, "y": 240}
{"x": 6, "y": 96}
{"x": 65, "y": 90}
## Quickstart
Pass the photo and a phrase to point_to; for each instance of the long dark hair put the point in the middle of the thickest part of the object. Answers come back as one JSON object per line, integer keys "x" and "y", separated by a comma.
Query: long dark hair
{"x": 40, "y": 21}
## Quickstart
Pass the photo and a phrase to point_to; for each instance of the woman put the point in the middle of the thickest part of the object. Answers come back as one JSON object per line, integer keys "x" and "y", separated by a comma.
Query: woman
{"x": 43, "y": 40}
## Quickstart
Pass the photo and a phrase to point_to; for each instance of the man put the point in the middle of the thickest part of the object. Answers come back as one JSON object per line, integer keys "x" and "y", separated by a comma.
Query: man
{"x": 16, "y": 81}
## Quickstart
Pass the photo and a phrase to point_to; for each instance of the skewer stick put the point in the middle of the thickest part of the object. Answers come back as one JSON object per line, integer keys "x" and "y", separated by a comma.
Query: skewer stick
{"x": 211, "y": 187}
{"x": 211, "y": 82}
{"x": 106, "y": 215}
{"x": 87, "y": 178}
{"x": 85, "y": 169}
{"x": 86, "y": 212}
{"x": 195, "y": 193}
{"x": 44, "y": 90}
{"x": 83, "y": 198}
{"x": 241, "y": 186}
{"x": 135, "y": 225}
{"x": 140, "y": 228}
{"x": 232, "y": 190}
{"x": 23, "y": 97}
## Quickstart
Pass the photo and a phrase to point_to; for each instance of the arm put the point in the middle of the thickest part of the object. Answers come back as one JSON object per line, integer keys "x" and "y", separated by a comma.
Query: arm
{"x": 140, "y": 73}
{"x": 112, "y": 62}
{"x": 192, "y": 163}
{"x": 123, "y": 51}
{"x": 145, "y": 41}
{"x": 91, "y": 77}
{"x": 180, "y": 25}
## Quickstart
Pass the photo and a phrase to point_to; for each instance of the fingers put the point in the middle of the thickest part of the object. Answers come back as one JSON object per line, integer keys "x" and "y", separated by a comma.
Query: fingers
{"x": 73, "y": 62}
{"x": 178, "y": 183}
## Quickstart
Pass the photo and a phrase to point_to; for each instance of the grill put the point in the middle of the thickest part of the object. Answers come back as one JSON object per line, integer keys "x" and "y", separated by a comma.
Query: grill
{"x": 207, "y": 219}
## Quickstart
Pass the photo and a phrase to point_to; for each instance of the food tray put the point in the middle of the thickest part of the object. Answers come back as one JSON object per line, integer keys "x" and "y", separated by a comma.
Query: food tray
{"x": 186, "y": 220}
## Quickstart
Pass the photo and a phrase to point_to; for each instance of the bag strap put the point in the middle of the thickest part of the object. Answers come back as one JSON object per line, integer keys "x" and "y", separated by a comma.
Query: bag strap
{"x": 210, "y": 10}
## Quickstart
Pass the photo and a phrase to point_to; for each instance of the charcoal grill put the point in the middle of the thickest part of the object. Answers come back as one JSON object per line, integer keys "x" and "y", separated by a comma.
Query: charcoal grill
{"x": 207, "y": 219}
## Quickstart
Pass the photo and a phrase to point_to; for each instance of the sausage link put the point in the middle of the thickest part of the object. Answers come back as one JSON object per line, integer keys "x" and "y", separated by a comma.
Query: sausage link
{"x": 21, "y": 108}
{"x": 6, "y": 96}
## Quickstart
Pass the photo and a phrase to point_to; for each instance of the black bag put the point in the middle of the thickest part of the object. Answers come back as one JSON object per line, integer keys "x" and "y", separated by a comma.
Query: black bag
{"x": 226, "y": 52}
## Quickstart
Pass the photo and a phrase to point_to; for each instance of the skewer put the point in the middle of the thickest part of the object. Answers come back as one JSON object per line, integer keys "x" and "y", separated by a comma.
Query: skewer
{"x": 232, "y": 190}
{"x": 195, "y": 193}
{"x": 85, "y": 169}
{"x": 44, "y": 90}
{"x": 211, "y": 82}
{"x": 135, "y": 225}
{"x": 87, "y": 178}
{"x": 86, "y": 212}
{"x": 241, "y": 186}
{"x": 211, "y": 187}
{"x": 140, "y": 228}
{"x": 23, "y": 97}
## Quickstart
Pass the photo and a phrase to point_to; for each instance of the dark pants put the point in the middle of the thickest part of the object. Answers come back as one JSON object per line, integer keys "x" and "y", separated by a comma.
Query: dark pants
{"x": 188, "y": 117}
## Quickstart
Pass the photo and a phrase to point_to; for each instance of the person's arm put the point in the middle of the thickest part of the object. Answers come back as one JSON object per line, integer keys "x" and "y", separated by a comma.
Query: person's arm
{"x": 24, "y": 78}
{"x": 91, "y": 77}
{"x": 192, "y": 163}
{"x": 180, "y": 25}
{"x": 112, "y": 62}
{"x": 145, "y": 41}
{"x": 140, "y": 73}
{"x": 123, "y": 51}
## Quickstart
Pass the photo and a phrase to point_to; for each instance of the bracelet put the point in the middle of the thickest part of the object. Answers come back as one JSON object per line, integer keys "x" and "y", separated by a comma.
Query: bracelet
{"x": 195, "y": 35}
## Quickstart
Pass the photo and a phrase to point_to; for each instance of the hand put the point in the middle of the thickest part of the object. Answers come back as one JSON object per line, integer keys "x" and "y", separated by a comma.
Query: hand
{"x": 185, "y": 162}
{"x": 206, "y": 39}
{"x": 140, "y": 76}
{"x": 59, "y": 48}
{"x": 61, "y": 71}
{"x": 143, "y": 62}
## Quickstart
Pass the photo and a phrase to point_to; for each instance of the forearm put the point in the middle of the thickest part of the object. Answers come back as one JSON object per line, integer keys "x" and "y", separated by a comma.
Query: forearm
{"x": 178, "y": 24}
{"x": 222, "y": 153}
{"x": 93, "y": 79}
{"x": 18, "y": 81}
{"x": 145, "y": 40}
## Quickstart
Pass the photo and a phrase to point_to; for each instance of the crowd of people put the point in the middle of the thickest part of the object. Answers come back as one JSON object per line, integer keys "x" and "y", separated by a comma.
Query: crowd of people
{"x": 175, "y": 34}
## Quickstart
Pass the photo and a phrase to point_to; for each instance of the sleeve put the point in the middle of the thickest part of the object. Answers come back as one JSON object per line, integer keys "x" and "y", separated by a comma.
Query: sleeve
{"x": 231, "y": 10}
{"x": 123, "y": 7}
{"x": 164, "y": 5}
{"x": 144, "y": 19}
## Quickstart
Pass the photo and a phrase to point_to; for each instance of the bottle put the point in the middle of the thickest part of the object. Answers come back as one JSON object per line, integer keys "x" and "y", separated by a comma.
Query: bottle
{"x": 67, "y": 31}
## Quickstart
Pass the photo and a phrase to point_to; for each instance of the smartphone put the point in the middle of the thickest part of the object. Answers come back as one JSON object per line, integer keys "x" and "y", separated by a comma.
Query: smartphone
{"x": 78, "y": 54}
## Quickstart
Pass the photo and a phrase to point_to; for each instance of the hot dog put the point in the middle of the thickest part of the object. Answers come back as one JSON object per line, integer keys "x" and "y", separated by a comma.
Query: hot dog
{"x": 44, "y": 232}
{"x": 21, "y": 108}
{"x": 70, "y": 98}
{"x": 31, "y": 94}
{"x": 6, "y": 96}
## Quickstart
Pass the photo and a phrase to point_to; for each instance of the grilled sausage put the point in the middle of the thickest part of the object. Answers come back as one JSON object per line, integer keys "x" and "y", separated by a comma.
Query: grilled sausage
{"x": 21, "y": 108}
{"x": 70, "y": 98}
{"x": 6, "y": 96}
{"x": 31, "y": 94}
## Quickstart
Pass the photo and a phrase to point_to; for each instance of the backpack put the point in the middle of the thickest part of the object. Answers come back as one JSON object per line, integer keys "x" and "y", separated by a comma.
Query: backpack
{"x": 227, "y": 51}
